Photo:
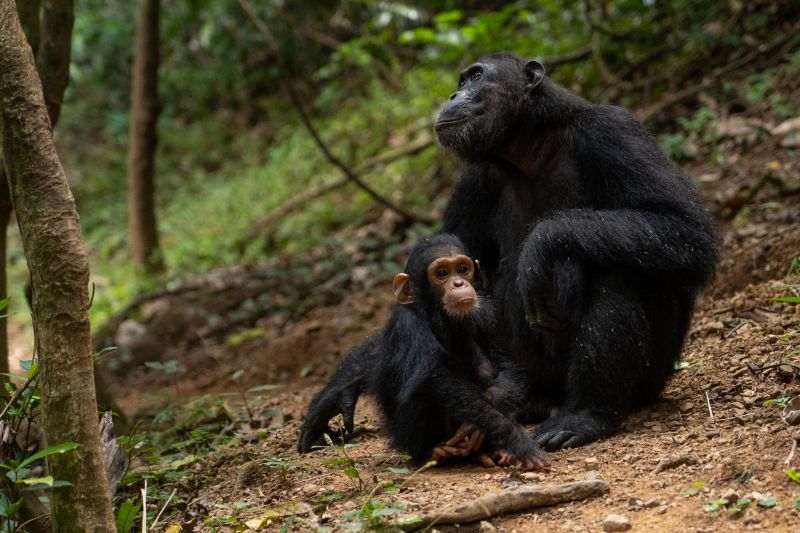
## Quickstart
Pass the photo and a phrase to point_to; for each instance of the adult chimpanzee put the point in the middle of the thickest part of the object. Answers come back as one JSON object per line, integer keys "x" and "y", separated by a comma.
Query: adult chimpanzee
{"x": 439, "y": 383}
{"x": 594, "y": 243}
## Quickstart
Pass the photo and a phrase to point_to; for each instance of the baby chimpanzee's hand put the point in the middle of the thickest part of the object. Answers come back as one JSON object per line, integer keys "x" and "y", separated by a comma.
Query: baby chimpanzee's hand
{"x": 466, "y": 440}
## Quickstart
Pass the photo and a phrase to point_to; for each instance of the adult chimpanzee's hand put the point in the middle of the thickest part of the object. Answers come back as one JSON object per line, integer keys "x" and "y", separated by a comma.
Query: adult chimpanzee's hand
{"x": 535, "y": 280}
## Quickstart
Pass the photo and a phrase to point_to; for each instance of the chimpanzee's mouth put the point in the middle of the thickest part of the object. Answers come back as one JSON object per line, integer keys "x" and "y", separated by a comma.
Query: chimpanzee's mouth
{"x": 446, "y": 123}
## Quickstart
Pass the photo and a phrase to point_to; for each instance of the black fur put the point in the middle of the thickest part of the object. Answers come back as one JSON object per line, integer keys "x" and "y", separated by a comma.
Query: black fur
{"x": 595, "y": 245}
{"x": 430, "y": 375}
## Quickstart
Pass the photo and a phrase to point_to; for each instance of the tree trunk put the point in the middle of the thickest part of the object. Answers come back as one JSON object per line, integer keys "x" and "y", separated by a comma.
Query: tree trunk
{"x": 50, "y": 41}
{"x": 142, "y": 228}
{"x": 54, "y": 53}
{"x": 5, "y": 216}
{"x": 58, "y": 263}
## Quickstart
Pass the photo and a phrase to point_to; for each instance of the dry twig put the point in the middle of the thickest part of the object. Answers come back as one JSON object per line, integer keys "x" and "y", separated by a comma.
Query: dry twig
{"x": 682, "y": 95}
{"x": 675, "y": 462}
{"x": 296, "y": 202}
{"x": 511, "y": 500}
{"x": 791, "y": 453}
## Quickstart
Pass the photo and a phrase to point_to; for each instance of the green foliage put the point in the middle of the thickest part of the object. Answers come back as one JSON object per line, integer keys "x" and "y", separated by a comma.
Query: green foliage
{"x": 768, "y": 503}
{"x": 780, "y": 401}
{"x": 374, "y": 516}
{"x": 695, "y": 488}
{"x": 794, "y": 475}
{"x": 17, "y": 464}
{"x": 126, "y": 515}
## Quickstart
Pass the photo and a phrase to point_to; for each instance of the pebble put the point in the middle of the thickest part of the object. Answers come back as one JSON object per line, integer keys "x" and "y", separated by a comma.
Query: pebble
{"x": 731, "y": 495}
{"x": 486, "y": 526}
{"x": 591, "y": 460}
{"x": 531, "y": 477}
{"x": 713, "y": 433}
{"x": 615, "y": 522}
{"x": 655, "y": 502}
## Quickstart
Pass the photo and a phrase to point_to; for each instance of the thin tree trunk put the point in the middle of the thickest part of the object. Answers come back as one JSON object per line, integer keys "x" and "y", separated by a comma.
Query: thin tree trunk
{"x": 5, "y": 216}
{"x": 54, "y": 53}
{"x": 50, "y": 41}
{"x": 58, "y": 263}
{"x": 142, "y": 228}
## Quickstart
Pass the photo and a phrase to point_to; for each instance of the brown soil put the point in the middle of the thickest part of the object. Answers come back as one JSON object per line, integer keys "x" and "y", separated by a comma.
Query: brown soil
{"x": 713, "y": 410}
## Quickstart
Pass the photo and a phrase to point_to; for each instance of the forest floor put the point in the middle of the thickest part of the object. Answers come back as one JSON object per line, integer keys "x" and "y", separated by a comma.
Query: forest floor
{"x": 289, "y": 326}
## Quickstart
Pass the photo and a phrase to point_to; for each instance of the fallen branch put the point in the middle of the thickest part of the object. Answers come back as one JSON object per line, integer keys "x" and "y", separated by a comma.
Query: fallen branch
{"x": 579, "y": 54}
{"x": 511, "y": 500}
{"x": 675, "y": 462}
{"x": 296, "y": 202}
{"x": 687, "y": 93}
{"x": 304, "y": 118}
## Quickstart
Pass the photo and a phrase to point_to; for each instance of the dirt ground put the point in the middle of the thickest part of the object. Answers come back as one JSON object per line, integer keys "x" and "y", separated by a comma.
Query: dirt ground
{"x": 721, "y": 413}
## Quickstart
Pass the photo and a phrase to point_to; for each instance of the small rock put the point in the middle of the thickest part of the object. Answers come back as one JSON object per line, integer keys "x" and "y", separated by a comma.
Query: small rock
{"x": 685, "y": 407}
{"x": 591, "y": 460}
{"x": 785, "y": 373}
{"x": 531, "y": 477}
{"x": 650, "y": 504}
{"x": 713, "y": 433}
{"x": 635, "y": 502}
{"x": 591, "y": 475}
{"x": 486, "y": 526}
{"x": 731, "y": 495}
{"x": 615, "y": 522}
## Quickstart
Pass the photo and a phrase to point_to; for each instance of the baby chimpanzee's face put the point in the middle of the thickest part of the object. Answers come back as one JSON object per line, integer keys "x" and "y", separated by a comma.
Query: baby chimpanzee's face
{"x": 451, "y": 279}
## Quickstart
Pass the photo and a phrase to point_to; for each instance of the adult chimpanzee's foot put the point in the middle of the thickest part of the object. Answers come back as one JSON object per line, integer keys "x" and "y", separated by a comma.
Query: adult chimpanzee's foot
{"x": 570, "y": 430}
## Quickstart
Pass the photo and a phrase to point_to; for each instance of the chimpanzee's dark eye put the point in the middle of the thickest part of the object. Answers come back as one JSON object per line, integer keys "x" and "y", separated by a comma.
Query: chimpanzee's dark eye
{"x": 478, "y": 74}
{"x": 461, "y": 83}
{"x": 441, "y": 273}
{"x": 463, "y": 269}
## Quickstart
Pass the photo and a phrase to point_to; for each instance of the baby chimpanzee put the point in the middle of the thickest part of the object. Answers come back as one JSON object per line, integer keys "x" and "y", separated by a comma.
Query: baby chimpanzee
{"x": 444, "y": 390}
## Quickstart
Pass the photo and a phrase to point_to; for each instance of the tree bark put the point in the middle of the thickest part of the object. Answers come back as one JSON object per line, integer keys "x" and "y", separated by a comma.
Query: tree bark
{"x": 54, "y": 53}
{"x": 50, "y": 41}
{"x": 142, "y": 228}
{"x": 5, "y": 216}
{"x": 59, "y": 267}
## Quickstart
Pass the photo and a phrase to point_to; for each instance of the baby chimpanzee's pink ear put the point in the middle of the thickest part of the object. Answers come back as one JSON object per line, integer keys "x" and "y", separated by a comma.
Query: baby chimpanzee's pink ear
{"x": 402, "y": 289}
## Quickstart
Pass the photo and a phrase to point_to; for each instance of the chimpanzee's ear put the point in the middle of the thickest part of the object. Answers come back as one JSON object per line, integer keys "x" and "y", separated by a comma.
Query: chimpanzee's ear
{"x": 402, "y": 289}
{"x": 534, "y": 73}
{"x": 480, "y": 274}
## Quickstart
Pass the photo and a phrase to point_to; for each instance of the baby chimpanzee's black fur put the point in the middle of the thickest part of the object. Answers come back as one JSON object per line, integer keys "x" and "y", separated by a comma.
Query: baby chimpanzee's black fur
{"x": 432, "y": 372}
{"x": 594, "y": 244}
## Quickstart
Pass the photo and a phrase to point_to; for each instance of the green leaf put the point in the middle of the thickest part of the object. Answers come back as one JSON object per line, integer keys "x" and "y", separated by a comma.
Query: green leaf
{"x": 794, "y": 475}
{"x": 51, "y": 450}
{"x": 768, "y": 502}
{"x": 126, "y": 515}
{"x": 351, "y": 472}
{"x": 33, "y": 371}
{"x": 796, "y": 503}
{"x": 262, "y": 388}
{"x": 4, "y": 303}
{"x": 787, "y": 299}
{"x": 10, "y": 510}
{"x": 47, "y": 480}
{"x": 395, "y": 470}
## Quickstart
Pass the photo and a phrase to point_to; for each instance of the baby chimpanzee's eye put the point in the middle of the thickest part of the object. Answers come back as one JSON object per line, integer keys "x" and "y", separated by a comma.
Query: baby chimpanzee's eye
{"x": 441, "y": 273}
{"x": 463, "y": 268}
